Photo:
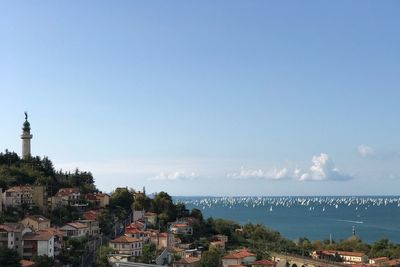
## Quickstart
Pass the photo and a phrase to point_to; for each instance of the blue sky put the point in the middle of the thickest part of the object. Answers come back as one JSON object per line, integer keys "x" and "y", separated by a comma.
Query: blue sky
{"x": 208, "y": 98}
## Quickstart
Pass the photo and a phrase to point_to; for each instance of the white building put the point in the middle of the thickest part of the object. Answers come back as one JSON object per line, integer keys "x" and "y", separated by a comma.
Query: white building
{"x": 18, "y": 195}
{"x": 127, "y": 245}
{"x": 239, "y": 257}
{"x": 75, "y": 229}
{"x": 40, "y": 243}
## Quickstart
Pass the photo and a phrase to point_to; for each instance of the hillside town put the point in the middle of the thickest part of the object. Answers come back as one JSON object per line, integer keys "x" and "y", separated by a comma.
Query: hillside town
{"x": 45, "y": 223}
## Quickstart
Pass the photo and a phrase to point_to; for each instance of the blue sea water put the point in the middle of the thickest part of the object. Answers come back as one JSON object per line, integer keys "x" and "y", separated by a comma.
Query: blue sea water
{"x": 313, "y": 217}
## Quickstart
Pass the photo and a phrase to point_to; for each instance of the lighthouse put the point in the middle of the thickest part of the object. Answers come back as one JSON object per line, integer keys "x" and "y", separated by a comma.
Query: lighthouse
{"x": 26, "y": 138}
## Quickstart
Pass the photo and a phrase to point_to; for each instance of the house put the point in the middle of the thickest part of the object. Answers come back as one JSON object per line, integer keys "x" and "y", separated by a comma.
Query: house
{"x": 58, "y": 239}
{"x": 181, "y": 228}
{"x": 222, "y": 238}
{"x": 127, "y": 245}
{"x": 68, "y": 197}
{"x": 18, "y": 195}
{"x": 150, "y": 218}
{"x": 40, "y": 243}
{"x": 17, "y": 231}
{"x": 132, "y": 231}
{"x": 345, "y": 256}
{"x": 263, "y": 263}
{"x": 92, "y": 225}
{"x": 218, "y": 245}
{"x": 75, "y": 229}
{"x": 219, "y": 241}
{"x": 180, "y": 252}
{"x": 91, "y": 215}
{"x": 239, "y": 257}
{"x": 36, "y": 222}
{"x": 186, "y": 262}
{"x": 7, "y": 236}
{"x": 159, "y": 239}
{"x": 98, "y": 199}
{"x": 25, "y": 195}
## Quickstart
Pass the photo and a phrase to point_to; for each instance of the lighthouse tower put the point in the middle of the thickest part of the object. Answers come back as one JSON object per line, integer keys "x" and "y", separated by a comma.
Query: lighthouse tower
{"x": 26, "y": 138}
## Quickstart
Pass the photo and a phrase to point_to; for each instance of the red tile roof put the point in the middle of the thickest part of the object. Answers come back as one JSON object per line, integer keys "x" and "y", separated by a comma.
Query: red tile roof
{"x": 188, "y": 260}
{"x": 239, "y": 254}
{"x": 38, "y": 236}
{"x": 54, "y": 231}
{"x": 264, "y": 262}
{"x": 124, "y": 239}
{"x": 26, "y": 263}
{"x": 21, "y": 188}
{"x": 6, "y": 228}
{"x": 90, "y": 215}
{"x": 343, "y": 253}
{"x": 77, "y": 225}
{"x": 63, "y": 192}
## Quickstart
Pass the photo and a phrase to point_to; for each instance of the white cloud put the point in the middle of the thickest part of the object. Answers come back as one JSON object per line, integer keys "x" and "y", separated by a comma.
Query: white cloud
{"x": 365, "y": 151}
{"x": 274, "y": 174}
{"x": 174, "y": 176}
{"x": 324, "y": 169}
{"x": 377, "y": 154}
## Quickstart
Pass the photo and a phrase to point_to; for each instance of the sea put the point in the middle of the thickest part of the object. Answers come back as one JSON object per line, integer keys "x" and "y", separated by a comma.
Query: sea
{"x": 315, "y": 217}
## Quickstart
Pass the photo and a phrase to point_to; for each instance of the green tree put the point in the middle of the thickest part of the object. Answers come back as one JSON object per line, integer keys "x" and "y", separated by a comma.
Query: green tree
{"x": 210, "y": 258}
{"x": 123, "y": 198}
{"x": 43, "y": 261}
{"x": 148, "y": 253}
{"x": 102, "y": 256}
{"x": 9, "y": 257}
{"x": 106, "y": 222}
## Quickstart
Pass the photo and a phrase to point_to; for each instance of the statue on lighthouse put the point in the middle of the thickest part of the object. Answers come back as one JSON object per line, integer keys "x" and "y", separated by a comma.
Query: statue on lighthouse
{"x": 26, "y": 138}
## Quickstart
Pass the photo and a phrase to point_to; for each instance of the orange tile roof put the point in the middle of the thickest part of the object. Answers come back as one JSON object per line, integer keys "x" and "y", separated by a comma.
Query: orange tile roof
{"x": 379, "y": 259}
{"x": 54, "y": 231}
{"x": 180, "y": 225}
{"x": 132, "y": 230}
{"x": 264, "y": 262}
{"x": 38, "y": 218}
{"x": 124, "y": 239}
{"x": 77, "y": 225}
{"x": 188, "y": 260}
{"x": 344, "y": 253}
{"x": 239, "y": 254}
{"x": 26, "y": 263}
{"x": 90, "y": 215}
{"x": 21, "y": 188}
{"x": 38, "y": 236}
{"x": 6, "y": 228}
{"x": 63, "y": 192}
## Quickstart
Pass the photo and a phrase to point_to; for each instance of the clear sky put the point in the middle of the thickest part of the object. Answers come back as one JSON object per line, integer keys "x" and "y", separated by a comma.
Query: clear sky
{"x": 208, "y": 97}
